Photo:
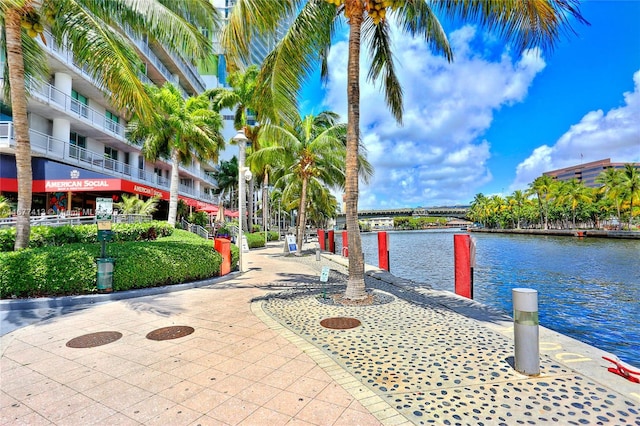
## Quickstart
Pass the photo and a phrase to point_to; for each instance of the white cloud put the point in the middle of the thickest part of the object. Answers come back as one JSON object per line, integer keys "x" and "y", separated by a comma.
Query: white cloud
{"x": 438, "y": 156}
{"x": 597, "y": 136}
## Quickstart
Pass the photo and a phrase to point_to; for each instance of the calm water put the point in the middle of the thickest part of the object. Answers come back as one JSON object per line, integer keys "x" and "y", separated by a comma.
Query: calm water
{"x": 588, "y": 288}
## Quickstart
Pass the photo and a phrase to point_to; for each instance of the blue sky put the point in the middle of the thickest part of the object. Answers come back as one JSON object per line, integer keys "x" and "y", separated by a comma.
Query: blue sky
{"x": 494, "y": 120}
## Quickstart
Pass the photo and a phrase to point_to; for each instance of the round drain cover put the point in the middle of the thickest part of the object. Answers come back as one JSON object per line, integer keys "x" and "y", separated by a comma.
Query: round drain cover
{"x": 168, "y": 333}
{"x": 94, "y": 339}
{"x": 340, "y": 323}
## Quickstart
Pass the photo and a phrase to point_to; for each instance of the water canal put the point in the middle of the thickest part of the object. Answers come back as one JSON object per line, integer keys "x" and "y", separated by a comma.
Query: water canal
{"x": 588, "y": 288}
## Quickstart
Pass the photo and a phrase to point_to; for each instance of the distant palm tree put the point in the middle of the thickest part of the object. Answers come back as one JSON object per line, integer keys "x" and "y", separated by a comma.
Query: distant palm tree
{"x": 542, "y": 188}
{"x": 631, "y": 187}
{"x": 309, "y": 38}
{"x": 227, "y": 179}
{"x": 88, "y": 29}
{"x": 517, "y": 202}
{"x": 611, "y": 181}
{"x": 574, "y": 193}
{"x": 179, "y": 129}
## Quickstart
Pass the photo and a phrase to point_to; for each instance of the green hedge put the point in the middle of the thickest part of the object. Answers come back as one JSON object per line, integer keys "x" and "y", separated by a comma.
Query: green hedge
{"x": 71, "y": 269}
{"x": 69, "y": 234}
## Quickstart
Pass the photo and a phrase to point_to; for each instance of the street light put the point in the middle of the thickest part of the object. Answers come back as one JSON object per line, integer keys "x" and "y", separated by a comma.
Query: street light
{"x": 242, "y": 142}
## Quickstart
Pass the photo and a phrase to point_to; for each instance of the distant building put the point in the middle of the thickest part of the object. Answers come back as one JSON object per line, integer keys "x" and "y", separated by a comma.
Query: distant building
{"x": 586, "y": 173}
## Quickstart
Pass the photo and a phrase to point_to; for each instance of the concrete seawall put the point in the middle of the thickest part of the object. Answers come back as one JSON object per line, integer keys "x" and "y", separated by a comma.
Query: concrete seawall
{"x": 595, "y": 233}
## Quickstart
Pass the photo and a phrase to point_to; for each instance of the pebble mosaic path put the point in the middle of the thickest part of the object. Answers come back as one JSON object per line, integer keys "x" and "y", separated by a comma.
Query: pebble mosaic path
{"x": 434, "y": 366}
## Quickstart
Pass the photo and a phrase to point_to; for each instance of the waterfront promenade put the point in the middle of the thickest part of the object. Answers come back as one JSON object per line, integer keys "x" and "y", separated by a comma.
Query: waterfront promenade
{"x": 259, "y": 356}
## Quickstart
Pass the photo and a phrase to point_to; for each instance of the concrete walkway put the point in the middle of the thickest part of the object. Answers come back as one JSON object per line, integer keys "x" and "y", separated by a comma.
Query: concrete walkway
{"x": 259, "y": 356}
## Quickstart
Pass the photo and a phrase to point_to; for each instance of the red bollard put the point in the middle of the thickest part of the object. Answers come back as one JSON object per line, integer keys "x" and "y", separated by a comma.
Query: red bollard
{"x": 462, "y": 265}
{"x": 345, "y": 243}
{"x": 321, "y": 239}
{"x": 223, "y": 246}
{"x": 332, "y": 243}
{"x": 383, "y": 250}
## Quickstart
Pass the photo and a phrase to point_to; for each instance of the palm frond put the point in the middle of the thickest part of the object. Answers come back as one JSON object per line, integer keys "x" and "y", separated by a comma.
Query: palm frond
{"x": 378, "y": 39}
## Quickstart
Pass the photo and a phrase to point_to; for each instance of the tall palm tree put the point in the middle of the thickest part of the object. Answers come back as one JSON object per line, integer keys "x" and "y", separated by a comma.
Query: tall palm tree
{"x": 90, "y": 30}
{"x": 631, "y": 187}
{"x": 307, "y": 156}
{"x": 309, "y": 37}
{"x": 242, "y": 99}
{"x": 179, "y": 129}
{"x": 611, "y": 181}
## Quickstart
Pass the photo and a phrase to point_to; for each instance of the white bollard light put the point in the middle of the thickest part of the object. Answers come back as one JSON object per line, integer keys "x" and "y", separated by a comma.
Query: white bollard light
{"x": 526, "y": 331}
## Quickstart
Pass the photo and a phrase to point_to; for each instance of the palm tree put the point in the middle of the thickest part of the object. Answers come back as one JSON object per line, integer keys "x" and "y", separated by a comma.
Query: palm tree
{"x": 574, "y": 193}
{"x": 132, "y": 204}
{"x": 307, "y": 156}
{"x": 179, "y": 129}
{"x": 611, "y": 181}
{"x": 516, "y": 202}
{"x": 542, "y": 188}
{"x": 227, "y": 179}
{"x": 308, "y": 40}
{"x": 5, "y": 207}
{"x": 631, "y": 187}
{"x": 88, "y": 29}
{"x": 242, "y": 98}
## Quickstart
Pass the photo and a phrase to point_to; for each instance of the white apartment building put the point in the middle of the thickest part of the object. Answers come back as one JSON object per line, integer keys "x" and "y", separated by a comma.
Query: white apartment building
{"x": 78, "y": 140}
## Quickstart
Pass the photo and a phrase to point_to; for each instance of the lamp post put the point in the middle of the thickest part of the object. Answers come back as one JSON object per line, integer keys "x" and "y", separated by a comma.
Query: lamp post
{"x": 241, "y": 140}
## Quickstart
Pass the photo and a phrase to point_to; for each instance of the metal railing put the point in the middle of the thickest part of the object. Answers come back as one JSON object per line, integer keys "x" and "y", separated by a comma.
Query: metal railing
{"x": 74, "y": 219}
{"x": 196, "y": 229}
{"x": 47, "y": 93}
{"x": 153, "y": 58}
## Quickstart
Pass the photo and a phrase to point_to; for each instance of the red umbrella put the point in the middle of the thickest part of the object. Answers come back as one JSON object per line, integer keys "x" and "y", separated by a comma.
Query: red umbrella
{"x": 209, "y": 209}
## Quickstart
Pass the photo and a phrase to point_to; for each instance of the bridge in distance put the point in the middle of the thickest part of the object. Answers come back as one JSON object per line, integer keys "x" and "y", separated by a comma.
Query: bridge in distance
{"x": 459, "y": 212}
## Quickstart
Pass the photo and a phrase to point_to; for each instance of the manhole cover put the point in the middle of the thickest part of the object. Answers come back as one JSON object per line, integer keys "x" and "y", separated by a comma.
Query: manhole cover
{"x": 94, "y": 339}
{"x": 168, "y": 333}
{"x": 340, "y": 323}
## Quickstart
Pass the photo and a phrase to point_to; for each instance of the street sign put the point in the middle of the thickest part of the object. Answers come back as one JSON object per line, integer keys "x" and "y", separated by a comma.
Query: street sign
{"x": 104, "y": 209}
{"x": 104, "y": 212}
{"x": 291, "y": 243}
{"x": 324, "y": 275}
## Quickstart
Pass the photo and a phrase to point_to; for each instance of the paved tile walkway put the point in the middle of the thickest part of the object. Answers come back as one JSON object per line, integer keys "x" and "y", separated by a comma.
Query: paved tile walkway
{"x": 258, "y": 356}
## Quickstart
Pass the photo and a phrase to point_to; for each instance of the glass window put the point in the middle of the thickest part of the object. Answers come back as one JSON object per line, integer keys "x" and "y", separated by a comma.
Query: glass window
{"x": 77, "y": 146}
{"x": 79, "y": 104}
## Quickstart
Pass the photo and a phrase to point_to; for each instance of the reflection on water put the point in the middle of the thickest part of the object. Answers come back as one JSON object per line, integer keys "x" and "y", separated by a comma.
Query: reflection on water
{"x": 588, "y": 288}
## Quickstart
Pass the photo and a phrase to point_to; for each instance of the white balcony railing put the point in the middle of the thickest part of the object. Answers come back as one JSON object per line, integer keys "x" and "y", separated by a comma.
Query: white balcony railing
{"x": 52, "y": 96}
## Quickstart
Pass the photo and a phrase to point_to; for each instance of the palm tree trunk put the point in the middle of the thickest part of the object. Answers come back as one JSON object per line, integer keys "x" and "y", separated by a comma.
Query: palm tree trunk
{"x": 302, "y": 216}
{"x": 355, "y": 284}
{"x": 21, "y": 127}
{"x": 173, "y": 191}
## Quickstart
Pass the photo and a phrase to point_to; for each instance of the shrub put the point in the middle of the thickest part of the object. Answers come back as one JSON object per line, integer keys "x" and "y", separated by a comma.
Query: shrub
{"x": 71, "y": 269}
{"x": 255, "y": 239}
{"x": 48, "y": 271}
{"x": 70, "y": 234}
